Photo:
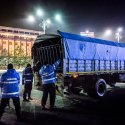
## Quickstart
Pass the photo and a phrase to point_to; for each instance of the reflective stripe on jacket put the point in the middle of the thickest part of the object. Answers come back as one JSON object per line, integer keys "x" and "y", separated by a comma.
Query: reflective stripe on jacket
{"x": 27, "y": 75}
{"x": 10, "y": 84}
{"x": 47, "y": 73}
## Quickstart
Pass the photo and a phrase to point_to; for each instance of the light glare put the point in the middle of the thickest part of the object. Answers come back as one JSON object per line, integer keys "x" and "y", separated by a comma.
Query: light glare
{"x": 48, "y": 21}
{"x": 108, "y": 32}
{"x": 31, "y": 18}
{"x": 58, "y": 17}
{"x": 39, "y": 12}
{"x": 120, "y": 29}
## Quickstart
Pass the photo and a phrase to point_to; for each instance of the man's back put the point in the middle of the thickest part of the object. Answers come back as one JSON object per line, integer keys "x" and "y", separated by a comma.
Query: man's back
{"x": 47, "y": 73}
{"x": 10, "y": 83}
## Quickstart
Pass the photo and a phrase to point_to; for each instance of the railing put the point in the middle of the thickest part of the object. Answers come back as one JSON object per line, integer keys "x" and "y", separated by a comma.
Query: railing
{"x": 92, "y": 66}
{"x": 49, "y": 53}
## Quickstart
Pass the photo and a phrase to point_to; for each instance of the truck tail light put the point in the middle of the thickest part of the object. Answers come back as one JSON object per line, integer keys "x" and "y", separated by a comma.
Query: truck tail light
{"x": 75, "y": 75}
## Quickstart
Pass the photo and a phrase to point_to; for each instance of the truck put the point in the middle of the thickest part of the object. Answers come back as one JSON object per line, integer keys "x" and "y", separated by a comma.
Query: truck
{"x": 87, "y": 64}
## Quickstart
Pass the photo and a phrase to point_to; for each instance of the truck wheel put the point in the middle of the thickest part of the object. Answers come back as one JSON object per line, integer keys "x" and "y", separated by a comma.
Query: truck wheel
{"x": 97, "y": 89}
{"x": 101, "y": 87}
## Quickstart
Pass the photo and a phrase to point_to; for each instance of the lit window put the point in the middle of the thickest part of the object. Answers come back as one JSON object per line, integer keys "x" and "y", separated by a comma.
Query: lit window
{"x": 10, "y": 43}
{"x": 4, "y": 42}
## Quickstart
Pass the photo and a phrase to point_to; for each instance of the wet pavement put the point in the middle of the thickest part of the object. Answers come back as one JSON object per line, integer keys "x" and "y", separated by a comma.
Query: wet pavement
{"x": 72, "y": 110}
{"x": 31, "y": 111}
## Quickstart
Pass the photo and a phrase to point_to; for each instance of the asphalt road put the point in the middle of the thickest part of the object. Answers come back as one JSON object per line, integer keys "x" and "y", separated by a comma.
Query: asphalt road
{"x": 72, "y": 110}
{"x": 83, "y": 110}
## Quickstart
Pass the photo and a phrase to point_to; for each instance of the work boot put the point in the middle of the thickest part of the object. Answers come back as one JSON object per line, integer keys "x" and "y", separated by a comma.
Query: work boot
{"x": 30, "y": 98}
{"x": 44, "y": 108}
{"x": 25, "y": 100}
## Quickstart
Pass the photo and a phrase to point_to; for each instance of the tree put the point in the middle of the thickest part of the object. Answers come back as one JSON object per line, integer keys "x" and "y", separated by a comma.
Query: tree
{"x": 3, "y": 58}
{"x": 20, "y": 58}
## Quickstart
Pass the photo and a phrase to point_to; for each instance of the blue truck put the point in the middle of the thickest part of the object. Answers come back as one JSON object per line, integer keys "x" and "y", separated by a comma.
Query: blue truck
{"x": 87, "y": 64}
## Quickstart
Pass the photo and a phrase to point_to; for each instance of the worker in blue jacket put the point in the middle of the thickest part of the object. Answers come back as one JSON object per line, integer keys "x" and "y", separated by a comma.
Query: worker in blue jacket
{"x": 27, "y": 80}
{"x": 10, "y": 89}
{"x": 48, "y": 76}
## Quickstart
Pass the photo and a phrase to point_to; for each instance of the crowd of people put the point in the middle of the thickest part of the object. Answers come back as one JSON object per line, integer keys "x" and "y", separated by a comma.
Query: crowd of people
{"x": 10, "y": 81}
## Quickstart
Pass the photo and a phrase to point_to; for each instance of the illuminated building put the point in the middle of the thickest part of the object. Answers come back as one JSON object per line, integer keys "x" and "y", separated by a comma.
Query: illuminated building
{"x": 11, "y": 38}
{"x": 87, "y": 33}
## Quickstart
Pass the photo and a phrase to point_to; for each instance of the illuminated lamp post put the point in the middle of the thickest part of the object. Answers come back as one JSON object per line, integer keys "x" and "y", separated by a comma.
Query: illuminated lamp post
{"x": 44, "y": 23}
{"x": 108, "y": 32}
{"x": 118, "y": 34}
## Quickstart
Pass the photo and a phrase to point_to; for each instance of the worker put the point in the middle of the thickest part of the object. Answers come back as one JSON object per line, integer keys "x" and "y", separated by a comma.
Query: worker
{"x": 27, "y": 81}
{"x": 10, "y": 89}
{"x": 48, "y": 76}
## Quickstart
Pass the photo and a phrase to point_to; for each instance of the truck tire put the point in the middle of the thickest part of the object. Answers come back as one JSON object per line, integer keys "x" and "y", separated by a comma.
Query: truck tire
{"x": 97, "y": 89}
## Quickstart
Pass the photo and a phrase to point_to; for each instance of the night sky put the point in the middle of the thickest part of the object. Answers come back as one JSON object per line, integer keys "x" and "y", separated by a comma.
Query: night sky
{"x": 77, "y": 15}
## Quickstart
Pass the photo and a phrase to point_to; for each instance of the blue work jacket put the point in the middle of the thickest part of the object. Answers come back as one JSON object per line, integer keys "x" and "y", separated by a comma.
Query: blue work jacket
{"x": 47, "y": 73}
{"x": 10, "y": 84}
{"x": 27, "y": 76}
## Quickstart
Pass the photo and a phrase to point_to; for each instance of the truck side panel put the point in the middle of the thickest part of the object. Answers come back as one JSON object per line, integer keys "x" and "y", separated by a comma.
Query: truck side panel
{"x": 92, "y": 66}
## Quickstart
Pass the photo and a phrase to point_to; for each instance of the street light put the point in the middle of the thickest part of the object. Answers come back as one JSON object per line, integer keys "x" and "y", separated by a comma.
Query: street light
{"x": 120, "y": 29}
{"x": 118, "y": 34}
{"x": 44, "y": 23}
{"x": 39, "y": 12}
{"x": 31, "y": 18}
{"x": 108, "y": 32}
{"x": 58, "y": 17}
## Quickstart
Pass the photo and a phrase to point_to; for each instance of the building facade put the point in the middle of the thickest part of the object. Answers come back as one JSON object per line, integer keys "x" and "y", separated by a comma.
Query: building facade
{"x": 87, "y": 33}
{"x": 13, "y": 38}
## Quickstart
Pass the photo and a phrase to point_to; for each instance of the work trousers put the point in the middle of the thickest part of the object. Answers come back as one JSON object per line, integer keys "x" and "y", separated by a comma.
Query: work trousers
{"x": 5, "y": 102}
{"x": 27, "y": 90}
{"x": 49, "y": 89}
